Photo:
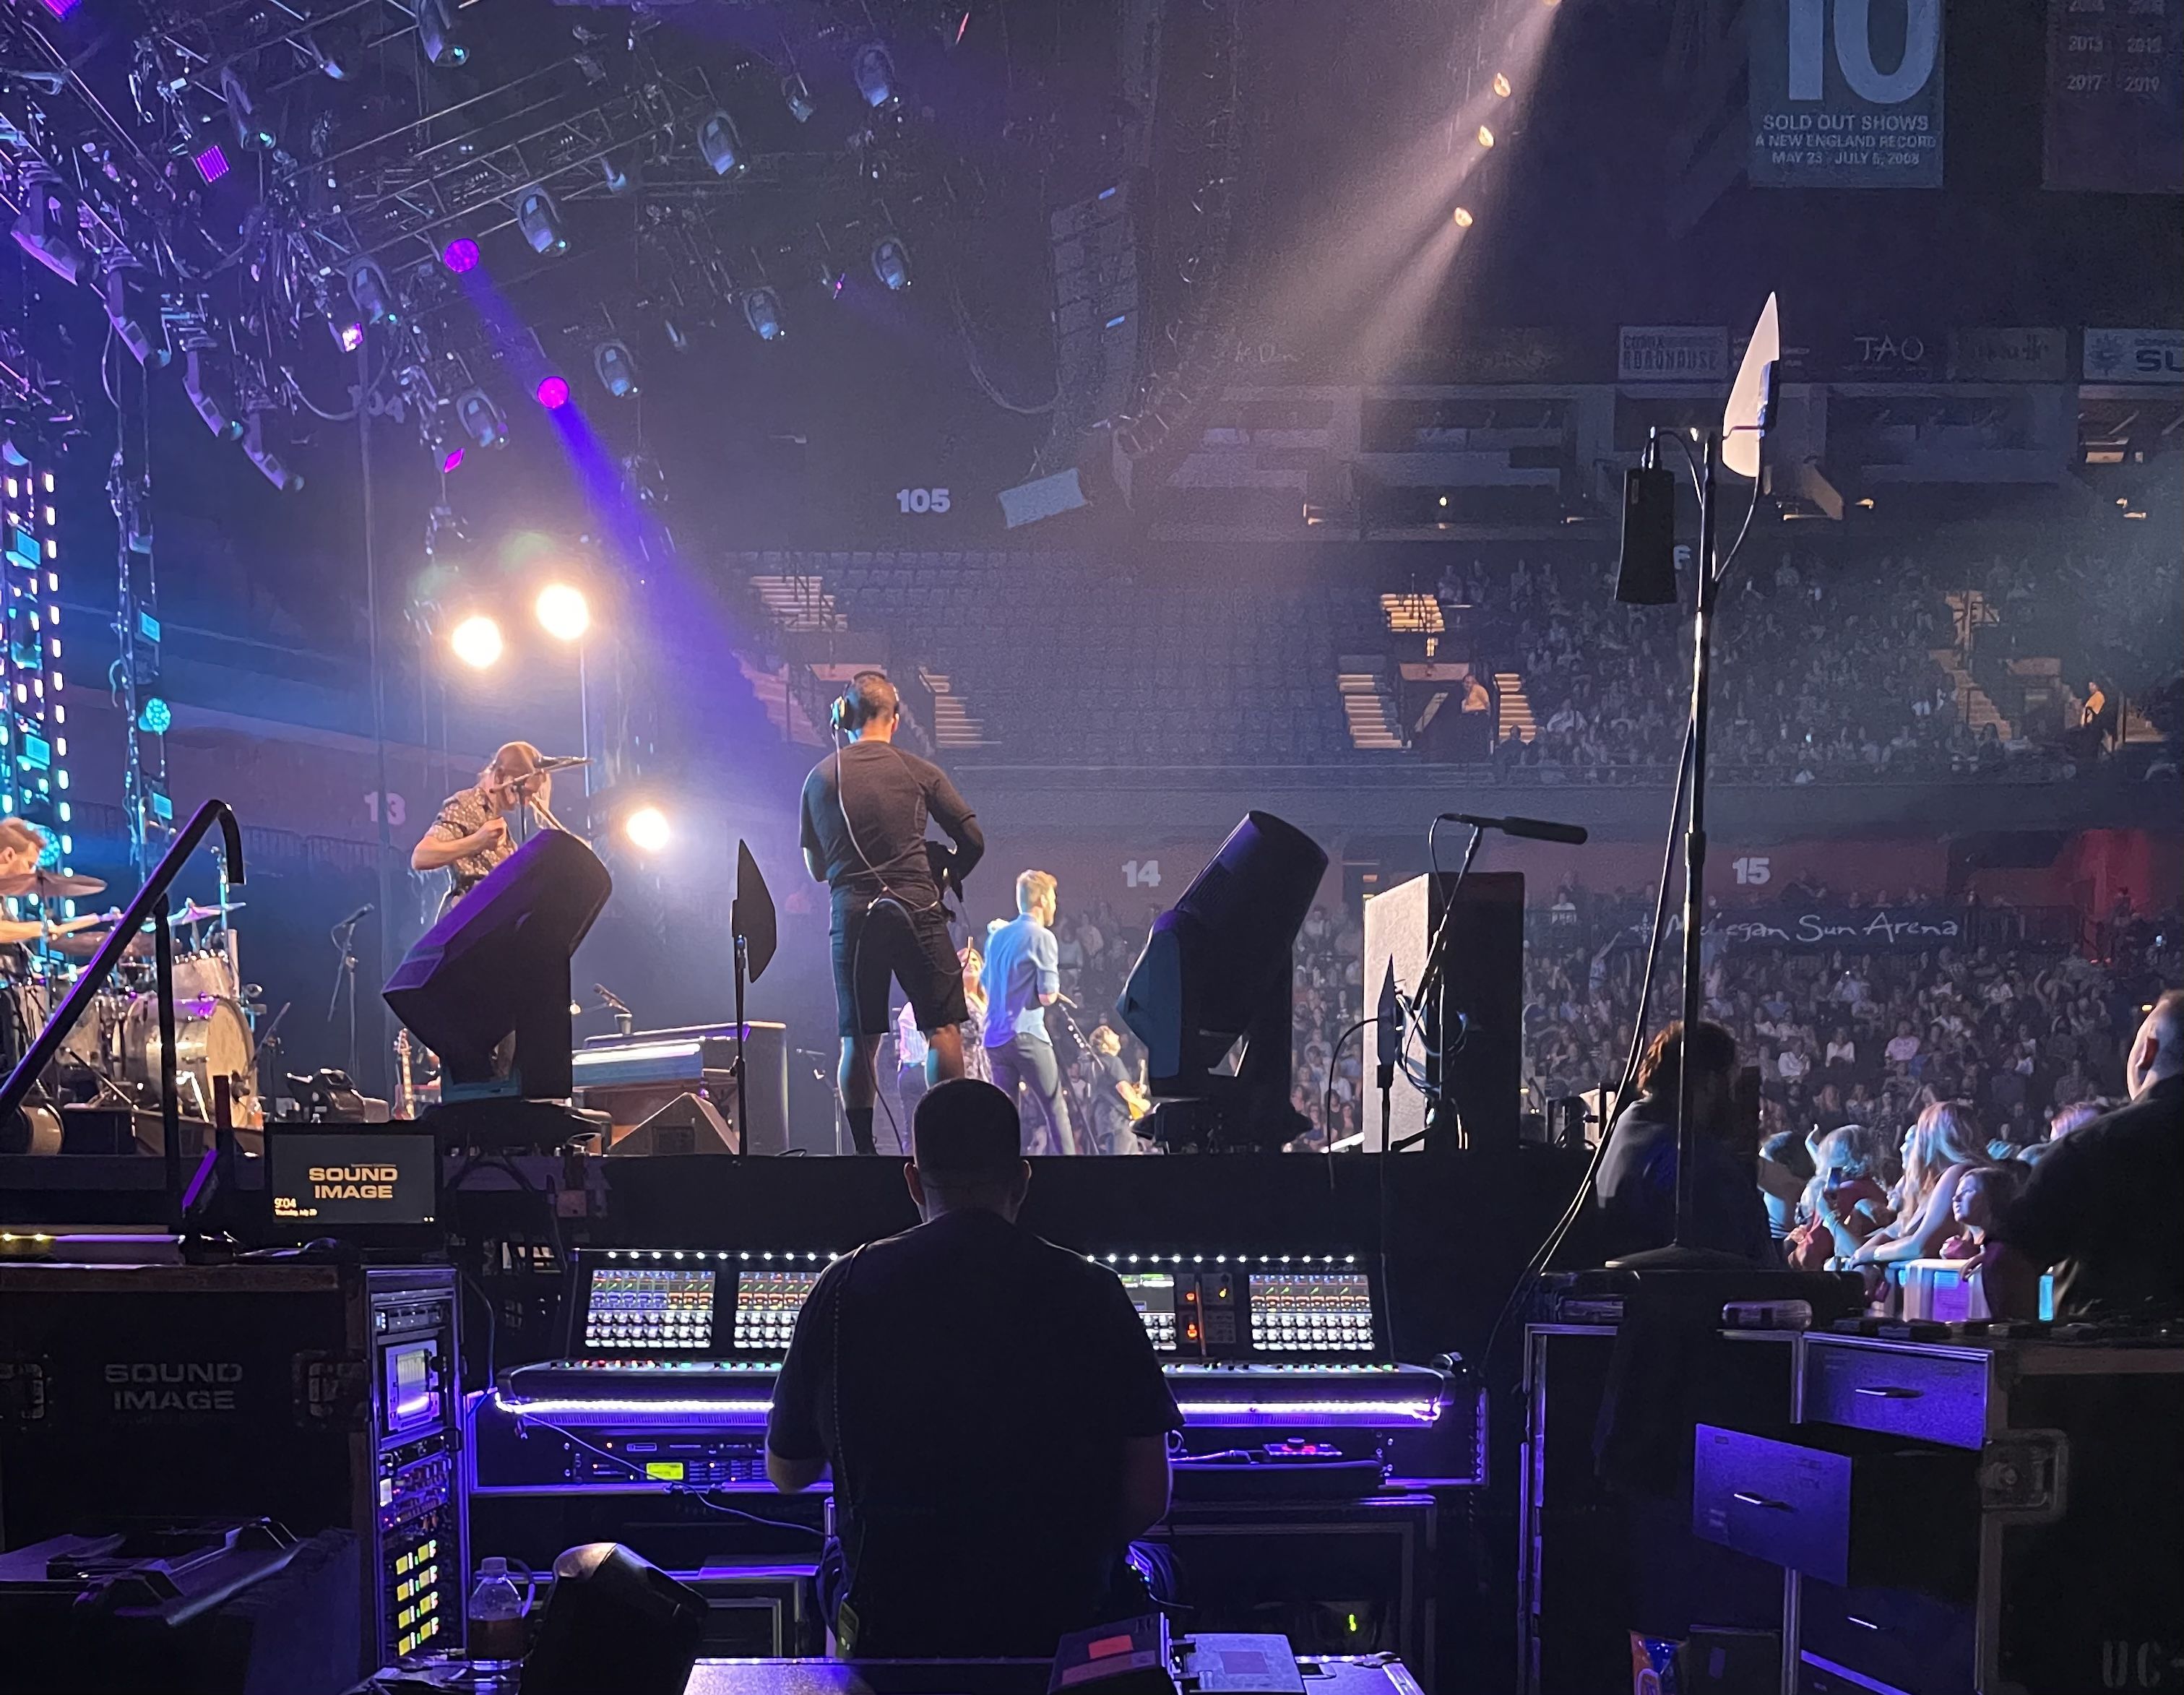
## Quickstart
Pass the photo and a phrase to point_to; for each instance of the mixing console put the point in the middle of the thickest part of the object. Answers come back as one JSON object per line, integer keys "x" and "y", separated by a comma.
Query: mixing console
{"x": 682, "y": 1348}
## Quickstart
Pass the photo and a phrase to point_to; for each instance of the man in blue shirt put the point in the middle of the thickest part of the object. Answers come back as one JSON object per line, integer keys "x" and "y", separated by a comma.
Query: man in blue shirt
{"x": 1022, "y": 979}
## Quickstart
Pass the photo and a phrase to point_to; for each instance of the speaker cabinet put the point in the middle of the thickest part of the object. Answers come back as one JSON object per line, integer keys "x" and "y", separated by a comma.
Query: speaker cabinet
{"x": 690, "y": 1124}
{"x": 1470, "y": 1048}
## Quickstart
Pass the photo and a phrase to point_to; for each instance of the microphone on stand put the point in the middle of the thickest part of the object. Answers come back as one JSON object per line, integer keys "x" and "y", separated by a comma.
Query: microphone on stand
{"x": 561, "y": 761}
{"x": 1526, "y": 829}
{"x": 356, "y": 917}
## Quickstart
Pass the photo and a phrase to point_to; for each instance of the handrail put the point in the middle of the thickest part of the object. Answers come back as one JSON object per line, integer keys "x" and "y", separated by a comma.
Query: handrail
{"x": 150, "y": 902}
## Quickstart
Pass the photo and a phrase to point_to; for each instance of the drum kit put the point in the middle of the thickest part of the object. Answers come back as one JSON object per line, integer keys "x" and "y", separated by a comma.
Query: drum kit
{"x": 112, "y": 1055}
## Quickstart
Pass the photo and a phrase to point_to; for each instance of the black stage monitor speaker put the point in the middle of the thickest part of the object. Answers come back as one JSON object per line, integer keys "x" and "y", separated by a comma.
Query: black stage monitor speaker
{"x": 498, "y": 964}
{"x": 1646, "y": 574}
{"x": 614, "y": 1621}
{"x": 690, "y": 1124}
{"x": 206, "y": 1607}
{"x": 1217, "y": 969}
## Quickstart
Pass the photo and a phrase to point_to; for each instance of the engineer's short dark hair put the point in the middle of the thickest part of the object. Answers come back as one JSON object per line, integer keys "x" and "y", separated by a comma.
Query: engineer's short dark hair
{"x": 869, "y": 697}
{"x": 965, "y": 1133}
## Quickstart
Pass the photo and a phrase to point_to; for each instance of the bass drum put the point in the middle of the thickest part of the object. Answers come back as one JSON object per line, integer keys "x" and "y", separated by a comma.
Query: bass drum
{"x": 212, "y": 1039}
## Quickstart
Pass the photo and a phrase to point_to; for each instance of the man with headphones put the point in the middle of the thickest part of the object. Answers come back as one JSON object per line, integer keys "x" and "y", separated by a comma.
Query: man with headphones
{"x": 865, "y": 811}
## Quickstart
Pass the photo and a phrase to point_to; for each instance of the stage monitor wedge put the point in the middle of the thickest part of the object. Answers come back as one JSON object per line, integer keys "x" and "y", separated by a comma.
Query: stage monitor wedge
{"x": 1218, "y": 970}
{"x": 497, "y": 964}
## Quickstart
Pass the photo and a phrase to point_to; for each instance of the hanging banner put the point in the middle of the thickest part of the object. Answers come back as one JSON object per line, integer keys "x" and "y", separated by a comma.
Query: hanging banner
{"x": 2116, "y": 97}
{"x": 1845, "y": 93}
{"x": 1855, "y": 929}
{"x": 1859, "y": 929}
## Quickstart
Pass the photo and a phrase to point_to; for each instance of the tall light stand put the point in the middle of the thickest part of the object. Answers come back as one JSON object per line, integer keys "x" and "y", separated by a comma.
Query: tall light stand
{"x": 1695, "y": 841}
{"x": 384, "y": 805}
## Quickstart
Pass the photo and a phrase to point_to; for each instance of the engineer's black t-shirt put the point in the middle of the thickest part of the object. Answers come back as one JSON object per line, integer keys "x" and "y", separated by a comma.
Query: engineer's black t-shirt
{"x": 2101, "y": 1208}
{"x": 889, "y": 794}
{"x": 987, "y": 1381}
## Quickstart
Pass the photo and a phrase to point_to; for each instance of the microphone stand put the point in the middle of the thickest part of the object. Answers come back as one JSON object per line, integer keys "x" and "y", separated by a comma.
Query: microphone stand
{"x": 1682, "y": 1254}
{"x": 1422, "y": 997}
{"x": 343, "y": 936}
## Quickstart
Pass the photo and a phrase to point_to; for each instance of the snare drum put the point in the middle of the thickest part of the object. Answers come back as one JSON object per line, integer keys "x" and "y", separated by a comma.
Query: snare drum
{"x": 204, "y": 975}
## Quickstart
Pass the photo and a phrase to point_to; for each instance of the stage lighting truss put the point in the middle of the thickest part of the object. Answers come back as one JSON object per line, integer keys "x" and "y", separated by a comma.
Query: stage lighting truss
{"x": 356, "y": 233}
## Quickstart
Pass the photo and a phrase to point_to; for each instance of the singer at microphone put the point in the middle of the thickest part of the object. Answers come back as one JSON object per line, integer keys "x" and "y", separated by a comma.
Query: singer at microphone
{"x": 470, "y": 836}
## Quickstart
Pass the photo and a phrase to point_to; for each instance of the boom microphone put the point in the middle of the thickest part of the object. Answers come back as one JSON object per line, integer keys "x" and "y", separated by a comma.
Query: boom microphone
{"x": 1526, "y": 829}
{"x": 561, "y": 761}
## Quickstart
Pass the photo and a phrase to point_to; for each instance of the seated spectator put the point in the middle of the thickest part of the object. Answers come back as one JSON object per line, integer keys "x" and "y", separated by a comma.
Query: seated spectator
{"x": 1845, "y": 1203}
{"x": 1903, "y": 1046}
{"x": 1937, "y": 1150}
{"x": 1983, "y": 1193}
{"x": 2101, "y": 1206}
{"x": 1635, "y": 1192}
{"x": 1786, "y": 1167}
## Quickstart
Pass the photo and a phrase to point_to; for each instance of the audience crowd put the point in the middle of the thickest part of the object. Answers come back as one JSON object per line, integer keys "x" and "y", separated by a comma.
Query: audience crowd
{"x": 1904, "y": 1095}
{"x": 1851, "y": 1046}
{"x": 1822, "y": 675}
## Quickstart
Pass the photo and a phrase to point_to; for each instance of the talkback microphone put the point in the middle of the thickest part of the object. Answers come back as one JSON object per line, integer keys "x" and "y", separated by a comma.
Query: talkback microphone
{"x": 1525, "y": 829}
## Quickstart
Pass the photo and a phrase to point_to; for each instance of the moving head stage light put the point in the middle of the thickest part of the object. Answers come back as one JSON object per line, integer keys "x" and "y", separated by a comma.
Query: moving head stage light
{"x": 1216, "y": 972}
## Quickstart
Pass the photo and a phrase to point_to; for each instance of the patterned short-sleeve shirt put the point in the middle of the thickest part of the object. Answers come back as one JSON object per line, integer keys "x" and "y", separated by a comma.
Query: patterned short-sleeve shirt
{"x": 461, "y": 815}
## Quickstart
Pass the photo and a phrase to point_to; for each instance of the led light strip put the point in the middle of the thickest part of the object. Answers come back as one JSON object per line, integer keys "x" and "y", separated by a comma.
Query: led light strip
{"x": 605, "y": 1407}
{"x": 1310, "y": 1412}
{"x": 1425, "y": 1412}
{"x": 36, "y": 786}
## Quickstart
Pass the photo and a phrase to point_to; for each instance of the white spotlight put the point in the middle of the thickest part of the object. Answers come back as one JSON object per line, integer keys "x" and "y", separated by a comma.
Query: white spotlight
{"x": 477, "y": 641}
{"x": 647, "y": 829}
{"x": 563, "y": 612}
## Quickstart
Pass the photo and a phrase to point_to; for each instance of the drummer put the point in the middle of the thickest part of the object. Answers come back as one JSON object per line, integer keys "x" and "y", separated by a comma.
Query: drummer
{"x": 22, "y": 846}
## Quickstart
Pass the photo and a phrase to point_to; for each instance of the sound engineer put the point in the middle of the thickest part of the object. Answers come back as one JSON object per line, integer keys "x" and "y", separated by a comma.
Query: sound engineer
{"x": 993, "y": 1412}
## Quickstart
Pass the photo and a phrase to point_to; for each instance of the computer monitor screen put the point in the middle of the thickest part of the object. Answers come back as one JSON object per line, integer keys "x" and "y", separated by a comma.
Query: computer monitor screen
{"x": 351, "y": 1180}
{"x": 649, "y": 1310}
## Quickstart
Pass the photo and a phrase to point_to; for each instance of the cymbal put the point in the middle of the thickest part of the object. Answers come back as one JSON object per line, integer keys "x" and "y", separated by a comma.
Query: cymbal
{"x": 50, "y": 885}
{"x": 192, "y": 913}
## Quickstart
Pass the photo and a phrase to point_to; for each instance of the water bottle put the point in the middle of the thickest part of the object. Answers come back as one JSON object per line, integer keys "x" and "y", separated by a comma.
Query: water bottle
{"x": 495, "y": 1614}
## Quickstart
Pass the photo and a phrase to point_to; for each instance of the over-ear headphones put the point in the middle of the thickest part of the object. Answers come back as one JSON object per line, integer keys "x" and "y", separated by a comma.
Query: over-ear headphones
{"x": 848, "y": 712}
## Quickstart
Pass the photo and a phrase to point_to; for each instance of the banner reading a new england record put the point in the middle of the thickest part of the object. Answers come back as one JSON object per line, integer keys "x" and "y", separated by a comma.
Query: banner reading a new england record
{"x": 1845, "y": 93}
